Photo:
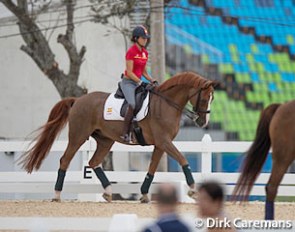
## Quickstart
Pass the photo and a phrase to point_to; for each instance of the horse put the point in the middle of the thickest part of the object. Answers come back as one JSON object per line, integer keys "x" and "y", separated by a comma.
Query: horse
{"x": 276, "y": 129}
{"x": 85, "y": 118}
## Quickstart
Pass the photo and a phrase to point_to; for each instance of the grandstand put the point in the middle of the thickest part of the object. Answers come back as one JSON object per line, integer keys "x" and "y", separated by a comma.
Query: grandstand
{"x": 248, "y": 45}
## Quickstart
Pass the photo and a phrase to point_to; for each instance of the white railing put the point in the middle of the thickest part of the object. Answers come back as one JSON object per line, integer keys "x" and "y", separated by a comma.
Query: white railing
{"x": 43, "y": 182}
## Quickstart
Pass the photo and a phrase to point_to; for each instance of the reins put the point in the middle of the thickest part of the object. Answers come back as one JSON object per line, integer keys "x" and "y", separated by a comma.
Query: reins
{"x": 189, "y": 113}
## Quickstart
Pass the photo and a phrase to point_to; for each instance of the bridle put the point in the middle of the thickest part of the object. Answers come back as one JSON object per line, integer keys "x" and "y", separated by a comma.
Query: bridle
{"x": 193, "y": 115}
{"x": 198, "y": 100}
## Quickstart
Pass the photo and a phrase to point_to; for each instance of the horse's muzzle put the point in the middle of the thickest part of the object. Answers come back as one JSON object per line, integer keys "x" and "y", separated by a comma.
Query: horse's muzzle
{"x": 200, "y": 121}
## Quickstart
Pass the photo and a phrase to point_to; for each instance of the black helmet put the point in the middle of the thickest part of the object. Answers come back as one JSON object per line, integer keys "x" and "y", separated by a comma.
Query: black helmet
{"x": 140, "y": 31}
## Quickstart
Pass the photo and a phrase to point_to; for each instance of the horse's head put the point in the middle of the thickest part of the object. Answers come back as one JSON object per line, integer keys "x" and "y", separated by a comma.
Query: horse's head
{"x": 201, "y": 100}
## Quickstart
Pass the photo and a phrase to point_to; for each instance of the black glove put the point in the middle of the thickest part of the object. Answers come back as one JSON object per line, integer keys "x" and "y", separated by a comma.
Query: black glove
{"x": 155, "y": 83}
{"x": 144, "y": 84}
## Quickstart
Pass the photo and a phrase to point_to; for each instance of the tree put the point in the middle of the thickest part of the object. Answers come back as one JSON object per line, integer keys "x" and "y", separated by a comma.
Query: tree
{"x": 38, "y": 48}
{"x": 114, "y": 14}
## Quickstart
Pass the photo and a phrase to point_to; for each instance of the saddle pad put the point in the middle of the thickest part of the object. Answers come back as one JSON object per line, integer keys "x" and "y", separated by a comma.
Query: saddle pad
{"x": 113, "y": 106}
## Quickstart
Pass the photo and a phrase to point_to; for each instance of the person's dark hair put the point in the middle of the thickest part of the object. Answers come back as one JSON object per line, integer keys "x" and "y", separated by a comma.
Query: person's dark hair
{"x": 167, "y": 195}
{"x": 213, "y": 189}
{"x": 134, "y": 39}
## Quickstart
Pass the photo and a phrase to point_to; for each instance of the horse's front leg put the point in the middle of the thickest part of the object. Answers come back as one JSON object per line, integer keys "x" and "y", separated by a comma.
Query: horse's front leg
{"x": 156, "y": 157}
{"x": 169, "y": 147}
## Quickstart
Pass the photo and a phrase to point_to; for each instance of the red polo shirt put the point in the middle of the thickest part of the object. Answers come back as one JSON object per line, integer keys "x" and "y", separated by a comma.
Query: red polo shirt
{"x": 139, "y": 59}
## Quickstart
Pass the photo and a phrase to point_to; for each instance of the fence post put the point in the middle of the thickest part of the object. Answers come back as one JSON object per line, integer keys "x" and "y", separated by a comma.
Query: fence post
{"x": 206, "y": 164}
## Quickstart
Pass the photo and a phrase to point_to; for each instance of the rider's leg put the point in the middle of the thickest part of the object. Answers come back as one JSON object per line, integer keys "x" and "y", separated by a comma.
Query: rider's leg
{"x": 128, "y": 87}
{"x": 127, "y": 122}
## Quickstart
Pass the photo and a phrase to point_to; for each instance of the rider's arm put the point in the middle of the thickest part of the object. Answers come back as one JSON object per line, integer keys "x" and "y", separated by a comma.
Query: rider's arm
{"x": 147, "y": 76}
{"x": 130, "y": 73}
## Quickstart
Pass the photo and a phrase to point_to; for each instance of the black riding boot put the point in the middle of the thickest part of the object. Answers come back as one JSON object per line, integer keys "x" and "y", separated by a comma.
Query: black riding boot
{"x": 126, "y": 127}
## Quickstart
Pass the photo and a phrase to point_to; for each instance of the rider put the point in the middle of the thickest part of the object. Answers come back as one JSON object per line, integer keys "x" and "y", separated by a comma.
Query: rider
{"x": 136, "y": 59}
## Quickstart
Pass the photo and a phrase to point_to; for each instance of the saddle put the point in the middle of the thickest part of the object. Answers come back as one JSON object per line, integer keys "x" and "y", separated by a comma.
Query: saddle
{"x": 140, "y": 95}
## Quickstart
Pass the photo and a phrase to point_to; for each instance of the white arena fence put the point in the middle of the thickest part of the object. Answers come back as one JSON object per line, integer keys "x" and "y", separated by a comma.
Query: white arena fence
{"x": 86, "y": 185}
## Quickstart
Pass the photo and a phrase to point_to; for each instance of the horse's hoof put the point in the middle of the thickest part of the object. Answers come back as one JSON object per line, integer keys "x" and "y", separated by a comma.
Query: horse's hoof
{"x": 107, "y": 197}
{"x": 55, "y": 200}
{"x": 193, "y": 194}
{"x": 144, "y": 199}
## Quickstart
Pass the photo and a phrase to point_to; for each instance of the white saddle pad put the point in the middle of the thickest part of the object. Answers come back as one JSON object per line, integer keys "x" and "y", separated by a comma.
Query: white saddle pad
{"x": 113, "y": 106}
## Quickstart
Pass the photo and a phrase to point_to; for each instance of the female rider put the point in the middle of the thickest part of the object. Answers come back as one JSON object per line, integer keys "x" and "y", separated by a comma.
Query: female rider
{"x": 136, "y": 59}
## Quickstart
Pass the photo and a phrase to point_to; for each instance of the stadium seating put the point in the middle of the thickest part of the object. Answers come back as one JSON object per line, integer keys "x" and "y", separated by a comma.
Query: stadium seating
{"x": 247, "y": 44}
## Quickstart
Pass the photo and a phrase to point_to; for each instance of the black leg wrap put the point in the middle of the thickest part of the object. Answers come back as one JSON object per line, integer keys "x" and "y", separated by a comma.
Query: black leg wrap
{"x": 102, "y": 177}
{"x": 146, "y": 183}
{"x": 188, "y": 175}
{"x": 269, "y": 210}
{"x": 60, "y": 180}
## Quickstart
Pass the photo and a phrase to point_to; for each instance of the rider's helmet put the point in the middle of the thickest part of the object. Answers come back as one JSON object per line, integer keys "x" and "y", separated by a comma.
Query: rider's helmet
{"x": 139, "y": 31}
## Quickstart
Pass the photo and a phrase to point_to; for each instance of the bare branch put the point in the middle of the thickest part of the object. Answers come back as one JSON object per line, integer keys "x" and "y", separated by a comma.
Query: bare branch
{"x": 31, "y": 53}
{"x": 82, "y": 52}
{"x": 27, "y": 50}
{"x": 68, "y": 43}
{"x": 70, "y": 15}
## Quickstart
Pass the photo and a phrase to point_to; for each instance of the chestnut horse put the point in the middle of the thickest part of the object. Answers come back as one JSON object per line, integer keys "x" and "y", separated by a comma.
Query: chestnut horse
{"x": 276, "y": 128}
{"x": 160, "y": 126}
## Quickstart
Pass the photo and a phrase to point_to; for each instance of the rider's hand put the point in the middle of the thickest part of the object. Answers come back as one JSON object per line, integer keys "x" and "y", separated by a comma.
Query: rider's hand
{"x": 143, "y": 84}
{"x": 155, "y": 83}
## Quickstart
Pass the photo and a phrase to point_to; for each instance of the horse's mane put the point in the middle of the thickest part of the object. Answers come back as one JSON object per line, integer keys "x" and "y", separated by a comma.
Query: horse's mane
{"x": 190, "y": 79}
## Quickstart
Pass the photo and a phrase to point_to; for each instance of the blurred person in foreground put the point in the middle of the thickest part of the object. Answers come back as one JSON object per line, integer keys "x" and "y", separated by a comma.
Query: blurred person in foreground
{"x": 211, "y": 207}
{"x": 168, "y": 219}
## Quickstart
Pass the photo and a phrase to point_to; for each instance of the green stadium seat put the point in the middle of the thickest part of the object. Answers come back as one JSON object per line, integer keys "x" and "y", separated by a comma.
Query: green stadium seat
{"x": 290, "y": 39}
{"x": 187, "y": 49}
{"x": 205, "y": 59}
{"x": 233, "y": 48}
{"x": 235, "y": 58}
{"x": 226, "y": 68}
{"x": 254, "y": 48}
{"x": 250, "y": 58}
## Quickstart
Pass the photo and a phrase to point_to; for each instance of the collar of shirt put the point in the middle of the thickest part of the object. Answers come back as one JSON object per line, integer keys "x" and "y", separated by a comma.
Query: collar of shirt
{"x": 137, "y": 49}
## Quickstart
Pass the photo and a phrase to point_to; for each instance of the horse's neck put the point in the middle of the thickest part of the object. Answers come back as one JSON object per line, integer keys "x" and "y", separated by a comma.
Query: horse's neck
{"x": 178, "y": 94}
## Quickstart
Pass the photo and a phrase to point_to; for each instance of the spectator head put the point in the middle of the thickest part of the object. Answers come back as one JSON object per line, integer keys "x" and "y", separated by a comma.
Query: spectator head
{"x": 167, "y": 198}
{"x": 210, "y": 199}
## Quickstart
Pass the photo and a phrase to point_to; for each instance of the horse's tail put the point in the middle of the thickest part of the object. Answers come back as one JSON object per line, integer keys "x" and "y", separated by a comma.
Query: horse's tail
{"x": 58, "y": 117}
{"x": 256, "y": 155}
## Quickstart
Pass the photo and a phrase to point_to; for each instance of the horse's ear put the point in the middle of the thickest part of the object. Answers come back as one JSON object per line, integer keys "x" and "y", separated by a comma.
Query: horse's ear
{"x": 215, "y": 84}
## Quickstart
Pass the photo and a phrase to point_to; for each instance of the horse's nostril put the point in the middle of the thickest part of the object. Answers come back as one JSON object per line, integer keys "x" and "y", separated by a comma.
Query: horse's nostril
{"x": 200, "y": 122}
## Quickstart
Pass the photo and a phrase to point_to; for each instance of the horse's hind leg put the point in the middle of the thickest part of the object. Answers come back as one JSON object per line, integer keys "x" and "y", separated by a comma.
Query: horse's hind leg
{"x": 103, "y": 147}
{"x": 279, "y": 168}
{"x": 156, "y": 157}
{"x": 65, "y": 160}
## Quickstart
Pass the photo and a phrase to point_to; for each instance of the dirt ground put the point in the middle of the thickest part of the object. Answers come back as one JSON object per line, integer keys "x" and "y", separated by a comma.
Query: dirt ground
{"x": 255, "y": 210}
